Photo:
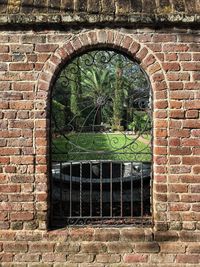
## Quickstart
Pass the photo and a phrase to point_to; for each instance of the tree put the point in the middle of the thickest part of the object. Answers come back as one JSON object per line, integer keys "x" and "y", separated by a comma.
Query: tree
{"x": 58, "y": 116}
{"x": 97, "y": 85}
{"x": 118, "y": 97}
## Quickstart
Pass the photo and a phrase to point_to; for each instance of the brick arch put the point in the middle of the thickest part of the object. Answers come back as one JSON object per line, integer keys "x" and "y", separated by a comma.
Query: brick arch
{"x": 150, "y": 63}
{"x": 100, "y": 39}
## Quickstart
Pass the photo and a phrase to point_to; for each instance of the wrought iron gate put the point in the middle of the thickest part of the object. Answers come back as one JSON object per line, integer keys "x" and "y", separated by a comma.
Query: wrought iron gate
{"x": 101, "y": 141}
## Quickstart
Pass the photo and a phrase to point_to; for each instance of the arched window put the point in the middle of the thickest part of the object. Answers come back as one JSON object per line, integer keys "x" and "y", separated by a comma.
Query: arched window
{"x": 101, "y": 141}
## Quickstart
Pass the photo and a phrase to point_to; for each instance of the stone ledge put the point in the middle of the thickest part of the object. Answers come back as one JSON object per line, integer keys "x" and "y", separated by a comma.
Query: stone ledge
{"x": 98, "y": 19}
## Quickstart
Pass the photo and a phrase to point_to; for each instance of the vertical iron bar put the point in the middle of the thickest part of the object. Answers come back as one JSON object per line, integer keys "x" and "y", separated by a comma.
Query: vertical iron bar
{"x": 90, "y": 189}
{"x": 101, "y": 190}
{"x": 131, "y": 189}
{"x": 52, "y": 186}
{"x": 111, "y": 189}
{"x": 70, "y": 192}
{"x": 141, "y": 189}
{"x": 121, "y": 191}
{"x": 80, "y": 189}
{"x": 61, "y": 212}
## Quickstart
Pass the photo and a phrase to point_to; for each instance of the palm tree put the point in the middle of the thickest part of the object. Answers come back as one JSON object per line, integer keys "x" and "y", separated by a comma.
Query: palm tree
{"x": 97, "y": 83}
{"x": 97, "y": 88}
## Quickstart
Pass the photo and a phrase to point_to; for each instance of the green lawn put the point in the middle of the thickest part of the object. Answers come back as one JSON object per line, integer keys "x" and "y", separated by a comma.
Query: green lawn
{"x": 91, "y": 146}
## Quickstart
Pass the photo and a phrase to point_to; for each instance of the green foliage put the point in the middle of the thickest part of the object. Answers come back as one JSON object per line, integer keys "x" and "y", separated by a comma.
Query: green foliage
{"x": 98, "y": 89}
{"x": 96, "y": 83}
{"x": 118, "y": 98}
{"x": 74, "y": 100}
{"x": 58, "y": 114}
{"x": 140, "y": 123}
{"x": 75, "y": 107}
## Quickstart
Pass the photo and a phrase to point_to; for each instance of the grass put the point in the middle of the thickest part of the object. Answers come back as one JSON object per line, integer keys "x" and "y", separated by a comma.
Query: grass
{"x": 94, "y": 146}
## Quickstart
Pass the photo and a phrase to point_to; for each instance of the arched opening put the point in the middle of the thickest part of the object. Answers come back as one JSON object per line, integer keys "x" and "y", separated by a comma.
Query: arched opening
{"x": 101, "y": 132}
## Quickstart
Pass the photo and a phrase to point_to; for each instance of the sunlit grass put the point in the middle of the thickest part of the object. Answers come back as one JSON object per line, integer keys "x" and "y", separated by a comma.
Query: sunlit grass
{"x": 108, "y": 146}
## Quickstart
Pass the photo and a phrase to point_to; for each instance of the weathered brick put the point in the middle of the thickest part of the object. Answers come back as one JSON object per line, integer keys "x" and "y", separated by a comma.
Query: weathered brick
{"x": 23, "y": 86}
{"x": 192, "y": 123}
{"x": 27, "y": 257}
{"x": 149, "y": 247}
{"x": 94, "y": 247}
{"x": 7, "y": 235}
{"x": 119, "y": 247}
{"x": 195, "y": 188}
{"x": 194, "y": 248}
{"x": 192, "y": 104}
{"x": 192, "y": 114}
{"x": 191, "y": 66}
{"x": 180, "y": 133}
{"x": 6, "y": 257}
{"x": 28, "y": 105}
{"x": 162, "y": 259}
{"x": 81, "y": 257}
{"x": 194, "y": 259}
{"x": 62, "y": 247}
{"x": 4, "y": 48}
{"x": 177, "y": 85}
{"x": 132, "y": 258}
{"x": 180, "y": 150}
{"x": 191, "y": 160}
{"x": 15, "y": 247}
{"x": 9, "y": 188}
{"x": 166, "y": 236}
{"x": 106, "y": 235}
{"x": 21, "y": 216}
{"x": 127, "y": 42}
{"x": 179, "y": 207}
{"x": 41, "y": 247}
{"x": 176, "y": 143}
{"x": 177, "y": 76}
{"x": 33, "y": 38}
{"x": 196, "y": 169}
{"x": 132, "y": 235}
{"x": 171, "y": 66}
{"x": 175, "y": 47}
{"x": 108, "y": 258}
{"x": 154, "y": 68}
{"x": 171, "y": 57}
{"x": 161, "y": 104}
{"x": 21, "y": 66}
{"x": 45, "y": 47}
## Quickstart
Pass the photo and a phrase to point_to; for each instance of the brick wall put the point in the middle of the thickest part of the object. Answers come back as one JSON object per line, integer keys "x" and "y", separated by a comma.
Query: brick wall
{"x": 116, "y": 12}
{"x": 28, "y": 63}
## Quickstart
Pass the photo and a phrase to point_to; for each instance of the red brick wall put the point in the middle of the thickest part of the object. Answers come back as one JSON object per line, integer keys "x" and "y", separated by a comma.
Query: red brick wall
{"x": 28, "y": 62}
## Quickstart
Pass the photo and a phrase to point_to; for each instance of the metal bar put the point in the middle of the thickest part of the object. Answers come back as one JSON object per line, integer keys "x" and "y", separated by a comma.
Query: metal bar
{"x": 51, "y": 188}
{"x": 90, "y": 189}
{"x": 117, "y": 221}
{"x": 70, "y": 191}
{"x": 131, "y": 189}
{"x": 80, "y": 189}
{"x": 121, "y": 191}
{"x": 141, "y": 189}
{"x": 106, "y": 217}
{"x": 101, "y": 190}
{"x": 111, "y": 189}
{"x": 61, "y": 187}
{"x": 102, "y": 153}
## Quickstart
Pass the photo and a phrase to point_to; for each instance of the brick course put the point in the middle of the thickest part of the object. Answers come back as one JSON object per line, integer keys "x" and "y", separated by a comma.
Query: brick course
{"x": 26, "y": 76}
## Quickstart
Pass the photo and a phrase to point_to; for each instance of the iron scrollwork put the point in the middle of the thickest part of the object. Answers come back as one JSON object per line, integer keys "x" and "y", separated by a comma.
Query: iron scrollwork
{"x": 101, "y": 141}
{"x": 102, "y": 93}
